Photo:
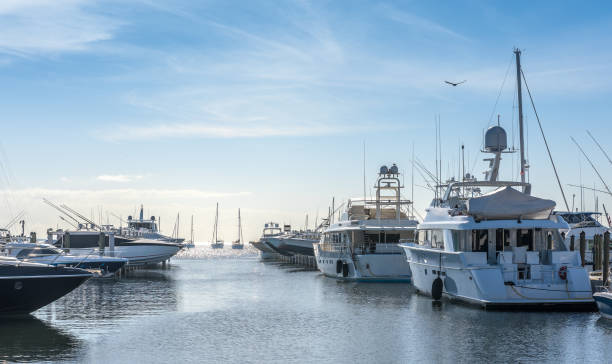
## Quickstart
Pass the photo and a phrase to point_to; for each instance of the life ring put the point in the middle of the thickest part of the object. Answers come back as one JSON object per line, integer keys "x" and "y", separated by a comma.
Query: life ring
{"x": 563, "y": 272}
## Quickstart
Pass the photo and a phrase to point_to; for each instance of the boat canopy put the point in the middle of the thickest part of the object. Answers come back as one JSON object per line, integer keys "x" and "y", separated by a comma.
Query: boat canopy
{"x": 506, "y": 203}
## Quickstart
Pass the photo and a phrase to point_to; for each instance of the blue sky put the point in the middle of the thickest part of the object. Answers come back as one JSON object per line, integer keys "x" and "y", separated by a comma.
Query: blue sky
{"x": 265, "y": 105}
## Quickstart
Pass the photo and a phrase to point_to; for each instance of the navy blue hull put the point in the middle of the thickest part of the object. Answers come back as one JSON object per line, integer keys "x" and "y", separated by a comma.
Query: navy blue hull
{"x": 26, "y": 289}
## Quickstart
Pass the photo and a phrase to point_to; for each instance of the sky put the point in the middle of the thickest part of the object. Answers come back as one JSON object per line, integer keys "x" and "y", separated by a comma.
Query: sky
{"x": 266, "y": 105}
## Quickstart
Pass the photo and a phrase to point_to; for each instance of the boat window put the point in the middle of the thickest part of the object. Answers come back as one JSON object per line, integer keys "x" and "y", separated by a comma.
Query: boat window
{"x": 525, "y": 238}
{"x": 425, "y": 237}
{"x": 461, "y": 240}
{"x": 480, "y": 240}
{"x": 437, "y": 239}
{"x": 23, "y": 253}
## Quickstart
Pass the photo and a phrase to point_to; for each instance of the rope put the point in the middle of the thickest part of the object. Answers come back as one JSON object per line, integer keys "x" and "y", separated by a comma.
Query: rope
{"x": 545, "y": 142}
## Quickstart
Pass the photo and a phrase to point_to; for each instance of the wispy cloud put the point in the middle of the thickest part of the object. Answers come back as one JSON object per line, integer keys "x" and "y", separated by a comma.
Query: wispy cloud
{"x": 420, "y": 23}
{"x": 122, "y": 195}
{"x": 118, "y": 178}
{"x": 30, "y": 27}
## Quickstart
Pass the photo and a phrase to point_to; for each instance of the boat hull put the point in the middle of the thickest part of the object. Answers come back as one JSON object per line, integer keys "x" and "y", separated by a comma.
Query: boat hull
{"x": 364, "y": 267}
{"x": 604, "y": 303}
{"x": 489, "y": 286}
{"x": 25, "y": 290}
{"x": 139, "y": 252}
{"x": 293, "y": 246}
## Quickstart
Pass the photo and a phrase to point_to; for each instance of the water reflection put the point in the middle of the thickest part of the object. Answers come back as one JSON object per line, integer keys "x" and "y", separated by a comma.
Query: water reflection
{"x": 31, "y": 340}
{"x": 141, "y": 292}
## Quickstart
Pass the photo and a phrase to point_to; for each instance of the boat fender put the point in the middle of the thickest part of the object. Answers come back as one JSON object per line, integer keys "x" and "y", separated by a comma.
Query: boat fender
{"x": 563, "y": 272}
{"x": 436, "y": 289}
{"x": 338, "y": 266}
{"x": 345, "y": 269}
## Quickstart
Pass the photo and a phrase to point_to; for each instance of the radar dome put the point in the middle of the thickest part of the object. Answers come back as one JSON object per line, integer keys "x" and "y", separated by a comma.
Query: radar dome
{"x": 495, "y": 139}
{"x": 384, "y": 170}
{"x": 393, "y": 169}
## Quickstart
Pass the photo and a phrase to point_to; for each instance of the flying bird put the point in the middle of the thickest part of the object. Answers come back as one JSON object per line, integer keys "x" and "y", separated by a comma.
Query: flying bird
{"x": 455, "y": 83}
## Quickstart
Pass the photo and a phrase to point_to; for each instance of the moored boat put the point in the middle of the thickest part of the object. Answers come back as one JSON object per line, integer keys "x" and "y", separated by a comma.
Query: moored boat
{"x": 363, "y": 245}
{"x": 25, "y": 287}
{"x": 103, "y": 266}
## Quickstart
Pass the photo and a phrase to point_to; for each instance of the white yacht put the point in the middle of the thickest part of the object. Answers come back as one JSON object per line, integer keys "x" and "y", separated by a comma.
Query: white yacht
{"x": 579, "y": 222}
{"x": 95, "y": 242}
{"x": 364, "y": 244}
{"x": 485, "y": 242}
{"x": 146, "y": 229}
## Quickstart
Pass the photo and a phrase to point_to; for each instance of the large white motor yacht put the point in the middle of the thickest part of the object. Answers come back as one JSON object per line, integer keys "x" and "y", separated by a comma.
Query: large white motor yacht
{"x": 502, "y": 248}
{"x": 364, "y": 244}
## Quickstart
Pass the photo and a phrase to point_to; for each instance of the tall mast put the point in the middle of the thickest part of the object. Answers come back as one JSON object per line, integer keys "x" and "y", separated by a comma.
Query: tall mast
{"x": 216, "y": 222}
{"x": 517, "y": 52}
{"x": 191, "y": 229}
{"x": 239, "y": 228}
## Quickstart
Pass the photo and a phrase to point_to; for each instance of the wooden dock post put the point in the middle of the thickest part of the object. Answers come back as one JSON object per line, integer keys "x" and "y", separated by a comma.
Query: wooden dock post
{"x": 572, "y": 248}
{"x": 582, "y": 246}
{"x": 606, "y": 258}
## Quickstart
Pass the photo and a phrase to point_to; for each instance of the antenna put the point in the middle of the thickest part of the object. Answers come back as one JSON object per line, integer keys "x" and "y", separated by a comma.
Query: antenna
{"x": 364, "y": 173}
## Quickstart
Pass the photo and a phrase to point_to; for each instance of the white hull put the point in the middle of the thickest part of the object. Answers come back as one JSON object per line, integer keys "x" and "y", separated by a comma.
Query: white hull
{"x": 139, "y": 253}
{"x": 365, "y": 267}
{"x": 467, "y": 279}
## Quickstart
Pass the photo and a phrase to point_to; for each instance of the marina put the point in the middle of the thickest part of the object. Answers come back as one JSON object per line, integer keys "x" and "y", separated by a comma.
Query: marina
{"x": 305, "y": 182}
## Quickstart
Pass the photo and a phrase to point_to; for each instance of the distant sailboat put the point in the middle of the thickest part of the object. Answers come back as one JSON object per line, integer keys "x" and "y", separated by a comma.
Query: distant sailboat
{"x": 190, "y": 244}
{"x": 216, "y": 243}
{"x": 238, "y": 243}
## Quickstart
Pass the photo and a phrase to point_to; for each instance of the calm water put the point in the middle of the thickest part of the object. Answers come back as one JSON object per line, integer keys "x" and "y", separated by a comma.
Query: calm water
{"x": 213, "y": 308}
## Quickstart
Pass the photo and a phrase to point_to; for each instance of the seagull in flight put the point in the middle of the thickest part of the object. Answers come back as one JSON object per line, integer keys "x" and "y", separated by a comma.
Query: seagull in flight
{"x": 455, "y": 83}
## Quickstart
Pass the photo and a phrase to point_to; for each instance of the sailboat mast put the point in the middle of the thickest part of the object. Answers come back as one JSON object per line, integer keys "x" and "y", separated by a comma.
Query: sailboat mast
{"x": 239, "y": 228}
{"x": 517, "y": 52}
{"x": 191, "y": 229}
{"x": 216, "y": 222}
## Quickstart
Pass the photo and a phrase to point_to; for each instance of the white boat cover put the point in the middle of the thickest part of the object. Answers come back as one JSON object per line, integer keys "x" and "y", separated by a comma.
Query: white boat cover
{"x": 506, "y": 203}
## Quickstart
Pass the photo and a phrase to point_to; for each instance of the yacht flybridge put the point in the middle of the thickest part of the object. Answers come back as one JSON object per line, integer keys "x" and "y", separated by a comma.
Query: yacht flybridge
{"x": 364, "y": 244}
{"x": 485, "y": 242}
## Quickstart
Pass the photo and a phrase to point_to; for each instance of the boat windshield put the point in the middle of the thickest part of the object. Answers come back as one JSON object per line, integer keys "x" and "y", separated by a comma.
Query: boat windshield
{"x": 37, "y": 252}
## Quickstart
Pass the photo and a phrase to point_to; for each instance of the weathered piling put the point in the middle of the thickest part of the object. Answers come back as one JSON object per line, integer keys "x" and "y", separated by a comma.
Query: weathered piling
{"x": 33, "y": 237}
{"x": 606, "y": 258}
{"x": 582, "y": 247}
{"x": 572, "y": 243}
